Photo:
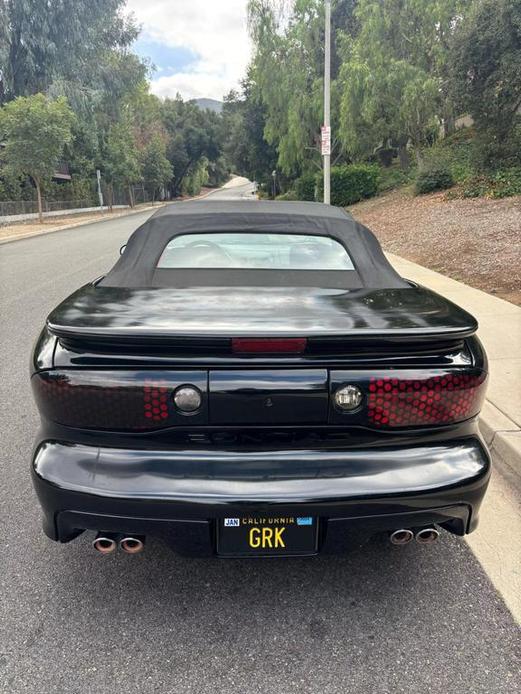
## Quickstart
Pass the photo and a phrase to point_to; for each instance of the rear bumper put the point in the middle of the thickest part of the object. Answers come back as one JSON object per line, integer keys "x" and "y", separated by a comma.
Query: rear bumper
{"x": 179, "y": 494}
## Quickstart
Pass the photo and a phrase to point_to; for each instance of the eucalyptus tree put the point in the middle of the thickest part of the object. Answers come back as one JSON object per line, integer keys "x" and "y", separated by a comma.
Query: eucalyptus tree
{"x": 58, "y": 40}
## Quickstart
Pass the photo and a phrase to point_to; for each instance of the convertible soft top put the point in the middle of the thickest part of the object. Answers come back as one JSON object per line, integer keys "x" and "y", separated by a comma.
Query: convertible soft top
{"x": 137, "y": 267}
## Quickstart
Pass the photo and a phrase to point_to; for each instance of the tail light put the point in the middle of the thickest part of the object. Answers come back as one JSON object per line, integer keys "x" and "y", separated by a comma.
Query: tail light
{"x": 124, "y": 401}
{"x": 443, "y": 399}
{"x": 412, "y": 398}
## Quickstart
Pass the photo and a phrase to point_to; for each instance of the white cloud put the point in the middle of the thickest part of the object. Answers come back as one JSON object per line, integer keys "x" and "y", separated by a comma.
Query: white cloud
{"x": 214, "y": 30}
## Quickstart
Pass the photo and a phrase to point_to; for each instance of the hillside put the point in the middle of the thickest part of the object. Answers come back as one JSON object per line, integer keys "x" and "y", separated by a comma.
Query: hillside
{"x": 473, "y": 240}
{"x": 210, "y": 104}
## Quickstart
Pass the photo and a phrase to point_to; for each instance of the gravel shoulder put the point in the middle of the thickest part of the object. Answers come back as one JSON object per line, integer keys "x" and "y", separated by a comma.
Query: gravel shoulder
{"x": 23, "y": 230}
{"x": 476, "y": 241}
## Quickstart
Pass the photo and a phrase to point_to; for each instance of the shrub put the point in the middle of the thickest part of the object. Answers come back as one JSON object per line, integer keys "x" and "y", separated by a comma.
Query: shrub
{"x": 506, "y": 182}
{"x": 429, "y": 180}
{"x": 305, "y": 187}
{"x": 289, "y": 195}
{"x": 351, "y": 183}
{"x": 393, "y": 177}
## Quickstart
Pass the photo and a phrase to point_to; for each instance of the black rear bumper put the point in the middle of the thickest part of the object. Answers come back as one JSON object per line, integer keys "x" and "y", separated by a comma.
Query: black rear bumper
{"x": 179, "y": 494}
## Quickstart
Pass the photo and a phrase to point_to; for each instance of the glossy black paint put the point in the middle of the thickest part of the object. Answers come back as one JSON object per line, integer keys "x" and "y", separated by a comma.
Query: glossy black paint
{"x": 159, "y": 313}
{"x": 151, "y": 488}
{"x": 271, "y": 396}
{"x": 268, "y": 438}
{"x": 43, "y": 352}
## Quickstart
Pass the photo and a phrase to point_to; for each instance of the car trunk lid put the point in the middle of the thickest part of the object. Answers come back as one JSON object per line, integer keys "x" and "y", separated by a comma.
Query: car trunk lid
{"x": 218, "y": 314}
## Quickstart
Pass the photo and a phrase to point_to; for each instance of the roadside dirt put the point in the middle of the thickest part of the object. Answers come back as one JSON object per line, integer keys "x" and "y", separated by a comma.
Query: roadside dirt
{"x": 33, "y": 228}
{"x": 476, "y": 241}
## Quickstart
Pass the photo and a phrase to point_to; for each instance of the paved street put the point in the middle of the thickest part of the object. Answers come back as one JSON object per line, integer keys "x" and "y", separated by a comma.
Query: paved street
{"x": 382, "y": 620}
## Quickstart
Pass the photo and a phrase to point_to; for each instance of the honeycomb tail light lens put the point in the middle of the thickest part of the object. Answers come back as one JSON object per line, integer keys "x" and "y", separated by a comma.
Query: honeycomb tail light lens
{"x": 122, "y": 401}
{"x": 447, "y": 398}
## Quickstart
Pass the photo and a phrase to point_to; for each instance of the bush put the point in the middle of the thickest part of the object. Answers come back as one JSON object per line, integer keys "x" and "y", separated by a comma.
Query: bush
{"x": 351, "y": 183}
{"x": 456, "y": 153}
{"x": 289, "y": 195}
{"x": 429, "y": 180}
{"x": 305, "y": 187}
{"x": 501, "y": 184}
{"x": 393, "y": 177}
{"x": 506, "y": 182}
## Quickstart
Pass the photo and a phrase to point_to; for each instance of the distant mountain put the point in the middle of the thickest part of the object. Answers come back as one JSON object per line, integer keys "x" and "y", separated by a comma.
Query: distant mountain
{"x": 211, "y": 104}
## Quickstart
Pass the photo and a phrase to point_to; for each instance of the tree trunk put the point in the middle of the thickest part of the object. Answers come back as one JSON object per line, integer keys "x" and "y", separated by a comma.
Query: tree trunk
{"x": 449, "y": 125}
{"x": 419, "y": 157}
{"x": 403, "y": 156}
{"x": 39, "y": 194}
{"x": 130, "y": 196}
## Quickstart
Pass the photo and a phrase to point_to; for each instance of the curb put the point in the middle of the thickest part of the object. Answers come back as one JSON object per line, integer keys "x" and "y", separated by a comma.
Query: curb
{"x": 503, "y": 438}
{"x": 104, "y": 218}
{"x": 20, "y": 237}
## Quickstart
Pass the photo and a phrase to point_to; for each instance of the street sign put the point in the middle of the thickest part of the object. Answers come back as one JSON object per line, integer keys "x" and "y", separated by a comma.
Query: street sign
{"x": 326, "y": 141}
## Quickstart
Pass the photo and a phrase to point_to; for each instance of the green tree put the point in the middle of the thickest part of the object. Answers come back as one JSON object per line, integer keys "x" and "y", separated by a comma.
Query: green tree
{"x": 36, "y": 130}
{"x": 156, "y": 169}
{"x": 41, "y": 42}
{"x": 486, "y": 76}
{"x": 288, "y": 67}
{"x": 193, "y": 135}
{"x": 244, "y": 123}
{"x": 121, "y": 161}
{"x": 393, "y": 77}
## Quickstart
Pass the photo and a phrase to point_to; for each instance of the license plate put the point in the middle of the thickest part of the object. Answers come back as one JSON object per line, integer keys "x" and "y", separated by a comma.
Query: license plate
{"x": 267, "y": 536}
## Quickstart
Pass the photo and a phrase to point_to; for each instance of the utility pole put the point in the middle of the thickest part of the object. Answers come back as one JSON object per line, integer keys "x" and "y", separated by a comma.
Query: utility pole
{"x": 100, "y": 194}
{"x": 326, "y": 129}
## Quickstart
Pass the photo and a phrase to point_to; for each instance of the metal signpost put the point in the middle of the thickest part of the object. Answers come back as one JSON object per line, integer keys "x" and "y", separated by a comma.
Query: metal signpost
{"x": 100, "y": 194}
{"x": 326, "y": 129}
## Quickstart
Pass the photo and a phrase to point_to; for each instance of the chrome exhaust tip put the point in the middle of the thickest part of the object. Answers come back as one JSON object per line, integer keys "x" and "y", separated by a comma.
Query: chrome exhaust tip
{"x": 104, "y": 543}
{"x": 132, "y": 545}
{"x": 426, "y": 536}
{"x": 401, "y": 537}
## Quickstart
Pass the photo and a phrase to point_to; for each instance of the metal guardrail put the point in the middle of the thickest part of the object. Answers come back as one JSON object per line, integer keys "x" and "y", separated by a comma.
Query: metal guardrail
{"x": 15, "y": 207}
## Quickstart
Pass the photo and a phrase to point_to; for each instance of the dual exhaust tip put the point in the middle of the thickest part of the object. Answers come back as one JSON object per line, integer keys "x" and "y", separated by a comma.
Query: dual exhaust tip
{"x": 424, "y": 536}
{"x": 106, "y": 543}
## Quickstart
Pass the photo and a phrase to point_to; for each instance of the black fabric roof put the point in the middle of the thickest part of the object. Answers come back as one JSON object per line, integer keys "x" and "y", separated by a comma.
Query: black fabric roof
{"x": 137, "y": 266}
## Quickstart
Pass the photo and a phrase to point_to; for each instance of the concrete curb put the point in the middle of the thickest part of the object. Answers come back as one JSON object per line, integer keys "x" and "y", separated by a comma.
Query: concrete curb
{"x": 503, "y": 438}
{"x": 105, "y": 218}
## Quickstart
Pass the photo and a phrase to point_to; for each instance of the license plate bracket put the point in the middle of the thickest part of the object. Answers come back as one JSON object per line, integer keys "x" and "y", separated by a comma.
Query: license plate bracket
{"x": 261, "y": 536}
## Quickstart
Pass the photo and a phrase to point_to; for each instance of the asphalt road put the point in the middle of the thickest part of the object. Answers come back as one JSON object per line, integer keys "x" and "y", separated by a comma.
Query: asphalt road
{"x": 382, "y": 620}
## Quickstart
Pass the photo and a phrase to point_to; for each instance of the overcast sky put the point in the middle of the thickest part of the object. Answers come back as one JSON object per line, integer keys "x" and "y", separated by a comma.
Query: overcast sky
{"x": 200, "y": 47}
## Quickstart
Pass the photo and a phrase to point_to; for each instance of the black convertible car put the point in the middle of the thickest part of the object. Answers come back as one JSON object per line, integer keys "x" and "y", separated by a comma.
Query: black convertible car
{"x": 255, "y": 379}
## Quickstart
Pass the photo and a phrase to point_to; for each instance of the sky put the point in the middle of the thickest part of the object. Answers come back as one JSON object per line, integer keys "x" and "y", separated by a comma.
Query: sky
{"x": 200, "y": 47}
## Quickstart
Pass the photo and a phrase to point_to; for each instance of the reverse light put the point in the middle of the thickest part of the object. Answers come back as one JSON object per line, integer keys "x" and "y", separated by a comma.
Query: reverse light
{"x": 348, "y": 398}
{"x": 188, "y": 399}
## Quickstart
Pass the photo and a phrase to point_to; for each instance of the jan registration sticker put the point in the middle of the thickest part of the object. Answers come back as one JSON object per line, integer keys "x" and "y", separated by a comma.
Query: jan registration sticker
{"x": 305, "y": 521}
{"x": 232, "y": 522}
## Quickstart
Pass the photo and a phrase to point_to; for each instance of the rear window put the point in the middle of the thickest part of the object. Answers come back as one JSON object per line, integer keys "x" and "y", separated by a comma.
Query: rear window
{"x": 256, "y": 251}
